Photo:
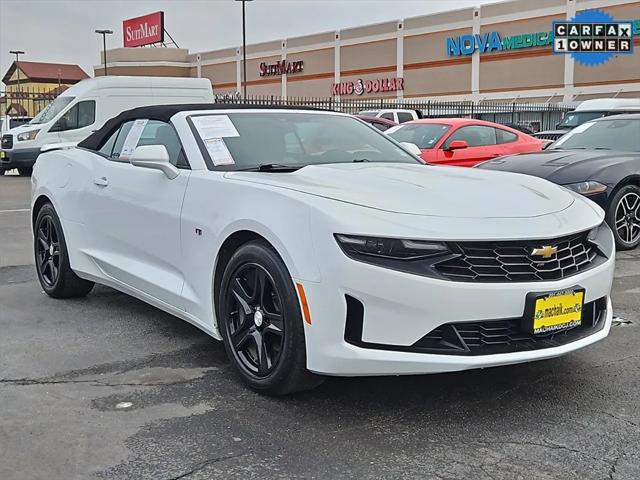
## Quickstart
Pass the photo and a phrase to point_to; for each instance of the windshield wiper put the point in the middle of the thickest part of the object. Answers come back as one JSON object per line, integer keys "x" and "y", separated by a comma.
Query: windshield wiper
{"x": 360, "y": 160}
{"x": 271, "y": 167}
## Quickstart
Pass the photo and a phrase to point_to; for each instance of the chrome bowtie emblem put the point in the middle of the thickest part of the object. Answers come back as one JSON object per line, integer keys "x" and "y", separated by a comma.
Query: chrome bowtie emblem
{"x": 545, "y": 252}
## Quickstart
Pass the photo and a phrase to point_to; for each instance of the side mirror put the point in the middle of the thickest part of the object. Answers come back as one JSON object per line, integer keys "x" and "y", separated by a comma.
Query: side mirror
{"x": 411, "y": 148}
{"x": 457, "y": 145}
{"x": 558, "y": 125}
{"x": 155, "y": 157}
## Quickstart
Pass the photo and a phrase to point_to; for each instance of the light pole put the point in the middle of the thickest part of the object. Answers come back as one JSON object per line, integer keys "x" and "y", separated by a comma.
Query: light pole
{"x": 17, "y": 53}
{"x": 104, "y": 34}
{"x": 244, "y": 52}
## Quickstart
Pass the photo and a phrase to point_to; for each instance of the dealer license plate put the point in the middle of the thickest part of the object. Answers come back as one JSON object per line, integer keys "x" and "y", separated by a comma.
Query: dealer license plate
{"x": 550, "y": 312}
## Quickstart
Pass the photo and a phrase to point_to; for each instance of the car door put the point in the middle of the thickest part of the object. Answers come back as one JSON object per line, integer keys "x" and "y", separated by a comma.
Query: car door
{"x": 77, "y": 123}
{"x": 481, "y": 141}
{"x": 134, "y": 214}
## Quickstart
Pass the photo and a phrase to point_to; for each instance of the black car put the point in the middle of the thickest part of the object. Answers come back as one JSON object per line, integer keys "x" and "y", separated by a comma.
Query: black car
{"x": 599, "y": 159}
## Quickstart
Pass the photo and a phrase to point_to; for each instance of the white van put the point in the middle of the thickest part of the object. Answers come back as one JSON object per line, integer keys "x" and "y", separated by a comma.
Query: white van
{"x": 590, "y": 110}
{"x": 86, "y": 106}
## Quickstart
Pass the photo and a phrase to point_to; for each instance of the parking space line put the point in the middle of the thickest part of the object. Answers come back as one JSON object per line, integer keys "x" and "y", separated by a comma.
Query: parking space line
{"x": 15, "y": 210}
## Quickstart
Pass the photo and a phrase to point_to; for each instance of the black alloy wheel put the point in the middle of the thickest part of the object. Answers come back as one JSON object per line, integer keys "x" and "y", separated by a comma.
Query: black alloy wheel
{"x": 51, "y": 256}
{"x": 48, "y": 251}
{"x": 261, "y": 324}
{"x": 624, "y": 217}
{"x": 256, "y": 322}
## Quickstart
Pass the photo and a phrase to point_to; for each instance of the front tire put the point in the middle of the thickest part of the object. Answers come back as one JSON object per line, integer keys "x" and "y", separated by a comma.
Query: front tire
{"x": 25, "y": 172}
{"x": 52, "y": 258}
{"x": 261, "y": 324}
{"x": 623, "y": 216}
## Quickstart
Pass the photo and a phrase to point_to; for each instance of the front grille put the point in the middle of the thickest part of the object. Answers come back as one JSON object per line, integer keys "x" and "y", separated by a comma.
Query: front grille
{"x": 7, "y": 141}
{"x": 506, "y": 336}
{"x": 548, "y": 136}
{"x": 484, "y": 337}
{"x": 512, "y": 261}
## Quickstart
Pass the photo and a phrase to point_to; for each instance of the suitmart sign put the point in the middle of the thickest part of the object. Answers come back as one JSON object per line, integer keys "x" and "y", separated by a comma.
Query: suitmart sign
{"x": 494, "y": 42}
{"x": 144, "y": 30}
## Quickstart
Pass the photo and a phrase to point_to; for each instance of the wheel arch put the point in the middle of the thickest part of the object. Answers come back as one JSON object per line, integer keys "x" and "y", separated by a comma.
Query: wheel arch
{"x": 633, "y": 179}
{"x": 230, "y": 245}
{"x": 37, "y": 205}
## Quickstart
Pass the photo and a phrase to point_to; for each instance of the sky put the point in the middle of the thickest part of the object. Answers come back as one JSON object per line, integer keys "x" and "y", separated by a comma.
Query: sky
{"x": 62, "y": 31}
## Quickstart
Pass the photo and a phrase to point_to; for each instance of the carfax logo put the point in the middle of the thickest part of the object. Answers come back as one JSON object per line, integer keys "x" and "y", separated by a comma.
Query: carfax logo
{"x": 592, "y": 37}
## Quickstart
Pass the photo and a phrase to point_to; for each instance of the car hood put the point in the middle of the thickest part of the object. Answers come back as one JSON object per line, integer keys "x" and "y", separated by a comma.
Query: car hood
{"x": 561, "y": 166}
{"x": 422, "y": 190}
{"x": 22, "y": 128}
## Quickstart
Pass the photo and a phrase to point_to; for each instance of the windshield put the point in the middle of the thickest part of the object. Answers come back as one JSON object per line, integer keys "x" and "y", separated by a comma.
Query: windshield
{"x": 50, "y": 111}
{"x": 247, "y": 140}
{"x": 573, "y": 119}
{"x": 424, "y": 135}
{"x": 623, "y": 135}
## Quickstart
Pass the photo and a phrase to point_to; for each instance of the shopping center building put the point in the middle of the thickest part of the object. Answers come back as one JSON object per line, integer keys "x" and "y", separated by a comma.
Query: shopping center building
{"x": 500, "y": 51}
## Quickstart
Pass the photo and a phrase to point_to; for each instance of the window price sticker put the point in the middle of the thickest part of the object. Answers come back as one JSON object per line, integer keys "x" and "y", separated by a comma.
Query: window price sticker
{"x": 219, "y": 152}
{"x": 131, "y": 142}
{"x": 215, "y": 126}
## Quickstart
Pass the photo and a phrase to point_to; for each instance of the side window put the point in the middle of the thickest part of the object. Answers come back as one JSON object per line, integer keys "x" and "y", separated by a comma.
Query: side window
{"x": 502, "y": 136}
{"x": 154, "y": 133}
{"x": 474, "y": 135}
{"x": 86, "y": 113}
{"x": 404, "y": 117}
{"x": 388, "y": 116}
{"x": 107, "y": 148}
{"x": 120, "y": 138}
{"x": 82, "y": 114}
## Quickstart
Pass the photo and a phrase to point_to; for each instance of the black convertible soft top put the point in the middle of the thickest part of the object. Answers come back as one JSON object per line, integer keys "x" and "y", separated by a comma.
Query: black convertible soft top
{"x": 164, "y": 113}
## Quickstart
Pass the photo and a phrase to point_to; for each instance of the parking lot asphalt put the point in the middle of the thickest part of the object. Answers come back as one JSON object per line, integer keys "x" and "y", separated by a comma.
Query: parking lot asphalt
{"x": 109, "y": 387}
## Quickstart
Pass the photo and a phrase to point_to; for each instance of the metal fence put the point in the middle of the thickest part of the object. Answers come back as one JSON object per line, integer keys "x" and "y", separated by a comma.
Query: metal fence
{"x": 27, "y": 101}
{"x": 537, "y": 116}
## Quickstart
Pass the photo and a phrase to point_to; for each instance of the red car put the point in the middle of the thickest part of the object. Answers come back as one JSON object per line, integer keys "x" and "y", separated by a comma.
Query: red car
{"x": 462, "y": 141}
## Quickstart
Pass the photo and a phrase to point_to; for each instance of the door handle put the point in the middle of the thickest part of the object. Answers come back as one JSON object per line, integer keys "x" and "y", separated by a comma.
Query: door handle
{"x": 101, "y": 181}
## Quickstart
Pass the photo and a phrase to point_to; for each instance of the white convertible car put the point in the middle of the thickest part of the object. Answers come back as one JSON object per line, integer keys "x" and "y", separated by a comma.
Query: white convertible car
{"x": 313, "y": 245}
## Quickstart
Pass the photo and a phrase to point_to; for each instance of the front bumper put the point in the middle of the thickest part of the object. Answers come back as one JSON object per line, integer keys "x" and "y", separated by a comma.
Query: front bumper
{"x": 400, "y": 309}
{"x": 19, "y": 158}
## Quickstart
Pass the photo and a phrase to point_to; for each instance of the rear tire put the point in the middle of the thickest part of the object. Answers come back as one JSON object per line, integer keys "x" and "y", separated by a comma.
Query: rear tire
{"x": 52, "y": 258}
{"x": 623, "y": 216}
{"x": 261, "y": 323}
{"x": 25, "y": 172}
{"x": 2, "y": 171}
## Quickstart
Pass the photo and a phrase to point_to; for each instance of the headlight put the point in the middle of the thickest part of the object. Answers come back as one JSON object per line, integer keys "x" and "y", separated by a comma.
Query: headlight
{"x": 30, "y": 135}
{"x": 602, "y": 238}
{"x": 410, "y": 256}
{"x": 587, "y": 188}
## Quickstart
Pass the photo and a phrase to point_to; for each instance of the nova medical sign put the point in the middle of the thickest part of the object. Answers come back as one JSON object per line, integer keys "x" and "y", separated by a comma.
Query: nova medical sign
{"x": 144, "y": 30}
{"x": 494, "y": 42}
